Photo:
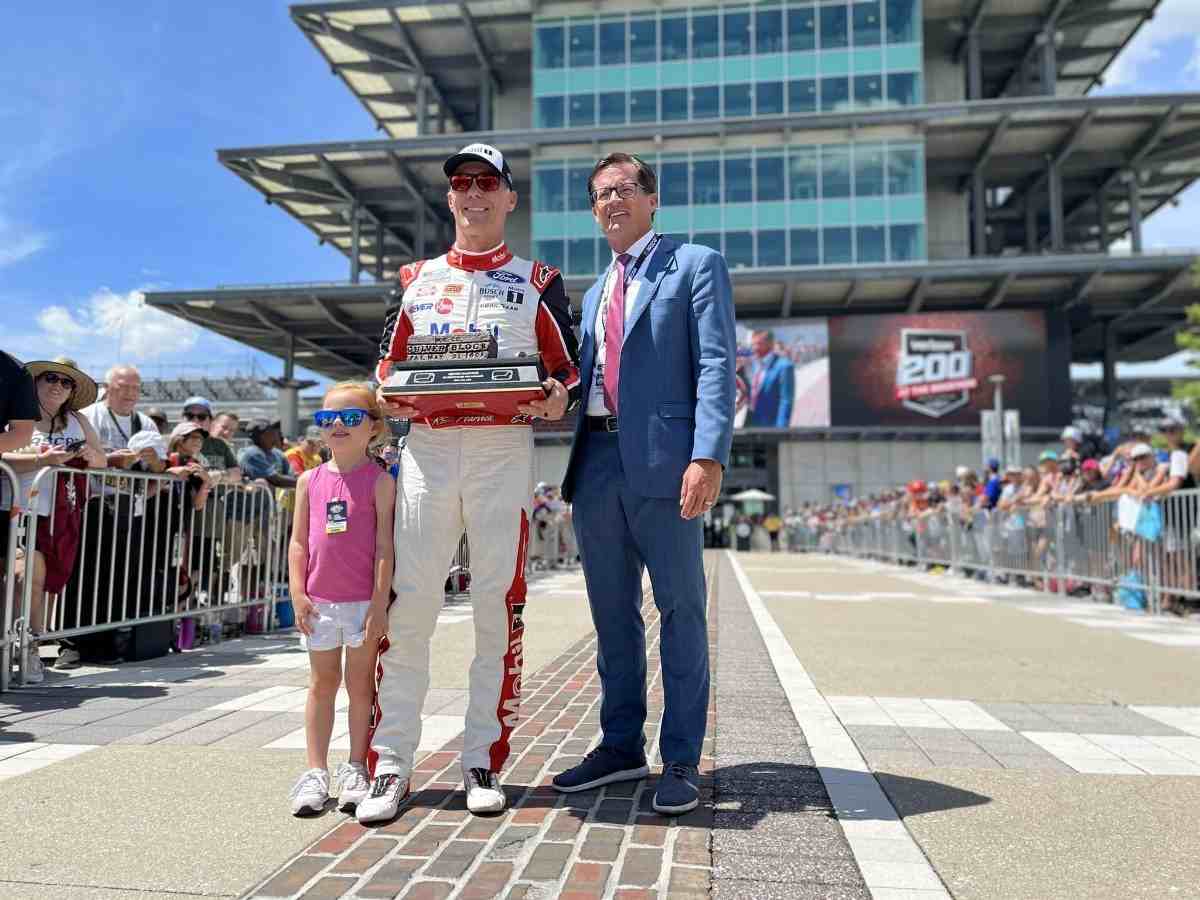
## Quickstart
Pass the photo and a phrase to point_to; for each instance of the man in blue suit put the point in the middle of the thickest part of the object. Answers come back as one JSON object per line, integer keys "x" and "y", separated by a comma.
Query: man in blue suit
{"x": 774, "y": 384}
{"x": 658, "y": 386}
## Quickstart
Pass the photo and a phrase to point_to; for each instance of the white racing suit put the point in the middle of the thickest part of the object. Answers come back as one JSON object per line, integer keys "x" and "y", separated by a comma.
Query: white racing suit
{"x": 469, "y": 473}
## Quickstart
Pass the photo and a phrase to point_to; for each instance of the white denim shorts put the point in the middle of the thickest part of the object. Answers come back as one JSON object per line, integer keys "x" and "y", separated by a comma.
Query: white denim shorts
{"x": 337, "y": 625}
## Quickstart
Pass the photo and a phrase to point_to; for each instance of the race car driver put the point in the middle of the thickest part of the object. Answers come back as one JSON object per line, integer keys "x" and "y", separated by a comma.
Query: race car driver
{"x": 472, "y": 473}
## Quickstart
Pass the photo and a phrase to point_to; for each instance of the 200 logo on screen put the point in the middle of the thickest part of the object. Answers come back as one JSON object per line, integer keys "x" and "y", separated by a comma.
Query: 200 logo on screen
{"x": 935, "y": 371}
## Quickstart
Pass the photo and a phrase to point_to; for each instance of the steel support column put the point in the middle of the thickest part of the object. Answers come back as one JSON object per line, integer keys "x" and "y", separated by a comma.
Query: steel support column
{"x": 287, "y": 397}
{"x": 974, "y": 67}
{"x": 422, "y": 105}
{"x": 355, "y": 244}
{"x": 1110, "y": 375}
{"x": 1055, "y": 199}
{"x": 421, "y": 217}
{"x": 1031, "y": 224}
{"x": 1134, "y": 186}
{"x": 978, "y": 215}
{"x": 1048, "y": 62}
{"x": 379, "y": 252}
{"x": 485, "y": 104}
{"x": 1102, "y": 218}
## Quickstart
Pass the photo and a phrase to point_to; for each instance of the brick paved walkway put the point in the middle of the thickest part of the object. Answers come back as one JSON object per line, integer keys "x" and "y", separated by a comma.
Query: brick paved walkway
{"x": 597, "y": 844}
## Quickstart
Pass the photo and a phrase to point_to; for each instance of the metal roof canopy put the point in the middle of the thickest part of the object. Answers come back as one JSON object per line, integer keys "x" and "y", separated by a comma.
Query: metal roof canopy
{"x": 384, "y": 51}
{"x": 336, "y": 327}
{"x": 1092, "y": 144}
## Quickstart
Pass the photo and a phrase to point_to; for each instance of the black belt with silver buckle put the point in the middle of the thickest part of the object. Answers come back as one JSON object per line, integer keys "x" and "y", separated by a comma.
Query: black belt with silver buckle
{"x": 602, "y": 423}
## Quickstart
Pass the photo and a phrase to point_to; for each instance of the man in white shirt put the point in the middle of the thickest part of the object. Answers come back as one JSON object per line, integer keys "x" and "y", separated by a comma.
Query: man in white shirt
{"x": 116, "y": 420}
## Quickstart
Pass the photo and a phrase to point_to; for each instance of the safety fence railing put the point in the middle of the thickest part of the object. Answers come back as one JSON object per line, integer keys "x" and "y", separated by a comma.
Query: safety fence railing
{"x": 9, "y": 637}
{"x": 96, "y": 551}
{"x": 1141, "y": 553}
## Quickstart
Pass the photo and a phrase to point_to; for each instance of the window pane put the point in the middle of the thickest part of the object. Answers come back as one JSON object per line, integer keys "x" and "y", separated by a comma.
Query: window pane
{"x": 551, "y": 252}
{"x": 904, "y": 89}
{"x": 673, "y": 184}
{"x": 802, "y": 96}
{"x": 768, "y": 31}
{"x": 706, "y": 102}
{"x": 802, "y": 29}
{"x": 835, "y": 172}
{"x": 872, "y": 247}
{"x": 706, "y": 181}
{"x": 768, "y": 98}
{"x": 675, "y": 104}
{"x": 612, "y": 108}
{"x": 581, "y": 256}
{"x": 769, "y": 179}
{"x": 737, "y": 100}
{"x": 612, "y": 43}
{"x": 868, "y": 171}
{"x": 904, "y": 172}
{"x": 708, "y": 239}
{"x": 674, "y": 39}
{"x": 678, "y": 238}
{"x": 550, "y": 112}
{"x": 907, "y": 242}
{"x": 643, "y": 41}
{"x": 549, "y": 190}
{"x": 739, "y": 249}
{"x": 705, "y": 42}
{"x": 738, "y": 183}
{"x": 835, "y": 94}
{"x": 549, "y": 47}
{"x": 737, "y": 33}
{"x": 902, "y": 21}
{"x": 603, "y": 254}
{"x": 868, "y": 91}
{"x": 577, "y": 189}
{"x": 802, "y": 173}
{"x": 867, "y": 26}
{"x": 583, "y": 44}
{"x": 583, "y": 110}
{"x": 806, "y": 247}
{"x": 772, "y": 248}
{"x": 643, "y": 106}
{"x": 835, "y": 30}
{"x": 839, "y": 246}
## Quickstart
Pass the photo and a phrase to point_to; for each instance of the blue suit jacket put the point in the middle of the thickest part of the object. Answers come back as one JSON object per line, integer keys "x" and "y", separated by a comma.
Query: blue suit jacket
{"x": 676, "y": 394}
{"x": 775, "y": 395}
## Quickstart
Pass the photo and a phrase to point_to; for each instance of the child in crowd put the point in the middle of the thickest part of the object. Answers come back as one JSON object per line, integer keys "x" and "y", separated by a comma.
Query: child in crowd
{"x": 183, "y": 460}
{"x": 340, "y": 565}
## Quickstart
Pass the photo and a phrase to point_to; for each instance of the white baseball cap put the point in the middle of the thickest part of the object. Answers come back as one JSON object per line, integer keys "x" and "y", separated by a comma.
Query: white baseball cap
{"x": 1071, "y": 433}
{"x": 1139, "y": 450}
{"x": 152, "y": 439}
{"x": 962, "y": 472}
{"x": 484, "y": 153}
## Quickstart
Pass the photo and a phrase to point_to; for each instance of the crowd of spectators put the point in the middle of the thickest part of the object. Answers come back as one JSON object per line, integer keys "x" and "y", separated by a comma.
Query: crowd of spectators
{"x": 552, "y": 537}
{"x": 108, "y": 547}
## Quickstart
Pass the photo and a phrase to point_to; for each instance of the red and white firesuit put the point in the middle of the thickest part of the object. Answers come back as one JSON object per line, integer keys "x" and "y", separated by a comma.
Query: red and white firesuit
{"x": 471, "y": 473}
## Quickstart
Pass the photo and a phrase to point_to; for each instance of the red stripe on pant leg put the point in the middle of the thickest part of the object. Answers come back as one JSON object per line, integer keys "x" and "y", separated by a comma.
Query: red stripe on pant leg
{"x": 509, "y": 705}
{"x": 376, "y": 709}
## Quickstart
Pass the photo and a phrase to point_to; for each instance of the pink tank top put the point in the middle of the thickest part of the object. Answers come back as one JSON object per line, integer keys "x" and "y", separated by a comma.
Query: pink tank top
{"x": 341, "y": 566}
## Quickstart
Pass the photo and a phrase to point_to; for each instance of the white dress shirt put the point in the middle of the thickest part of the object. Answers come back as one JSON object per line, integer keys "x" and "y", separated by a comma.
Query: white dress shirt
{"x": 595, "y": 403}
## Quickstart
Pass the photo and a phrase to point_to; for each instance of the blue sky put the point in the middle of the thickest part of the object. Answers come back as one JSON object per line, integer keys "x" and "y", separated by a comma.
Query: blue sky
{"x": 110, "y": 115}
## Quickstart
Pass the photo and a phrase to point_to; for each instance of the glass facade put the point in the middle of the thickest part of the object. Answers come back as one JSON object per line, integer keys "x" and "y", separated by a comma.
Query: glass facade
{"x": 800, "y": 205}
{"x": 772, "y": 58}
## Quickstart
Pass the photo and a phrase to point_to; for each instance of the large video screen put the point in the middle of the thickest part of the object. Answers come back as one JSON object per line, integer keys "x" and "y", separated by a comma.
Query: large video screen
{"x": 934, "y": 368}
{"x": 783, "y": 374}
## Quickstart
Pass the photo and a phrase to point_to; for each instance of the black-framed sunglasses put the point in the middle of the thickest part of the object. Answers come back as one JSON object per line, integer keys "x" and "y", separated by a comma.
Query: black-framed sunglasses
{"x": 625, "y": 190}
{"x": 68, "y": 384}
{"x": 196, "y": 416}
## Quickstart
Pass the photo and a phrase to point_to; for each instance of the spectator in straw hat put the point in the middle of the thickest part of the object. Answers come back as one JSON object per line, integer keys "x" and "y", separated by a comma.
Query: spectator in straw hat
{"x": 61, "y": 437}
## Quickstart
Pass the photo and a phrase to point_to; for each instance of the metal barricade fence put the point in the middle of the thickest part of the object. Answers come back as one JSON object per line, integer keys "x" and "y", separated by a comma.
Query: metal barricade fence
{"x": 1144, "y": 554}
{"x": 146, "y": 549}
{"x": 12, "y": 623}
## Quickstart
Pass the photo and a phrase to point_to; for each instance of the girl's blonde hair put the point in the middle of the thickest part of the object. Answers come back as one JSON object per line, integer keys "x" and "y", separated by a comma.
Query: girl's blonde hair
{"x": 369, "y": 402}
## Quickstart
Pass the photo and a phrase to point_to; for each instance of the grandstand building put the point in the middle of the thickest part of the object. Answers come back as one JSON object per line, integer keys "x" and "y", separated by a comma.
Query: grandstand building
{"x": 849, "y": 157}
{"x": 246, "y": 396}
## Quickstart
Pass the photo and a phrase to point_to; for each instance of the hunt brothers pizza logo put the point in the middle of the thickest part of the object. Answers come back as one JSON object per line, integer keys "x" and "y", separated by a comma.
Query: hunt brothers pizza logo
{"x": 936, "y": 372}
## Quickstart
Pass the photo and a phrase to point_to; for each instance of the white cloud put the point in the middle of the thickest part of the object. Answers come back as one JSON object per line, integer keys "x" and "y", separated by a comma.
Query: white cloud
{"x": 121, "y": 326}
{"x": 1175, "y": 20}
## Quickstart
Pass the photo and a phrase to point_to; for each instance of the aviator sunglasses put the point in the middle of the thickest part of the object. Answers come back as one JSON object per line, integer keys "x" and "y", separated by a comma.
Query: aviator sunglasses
{"x": 351, "y": 417}
{"x": 487, "y": 183}
{"x": 68, "y": 384}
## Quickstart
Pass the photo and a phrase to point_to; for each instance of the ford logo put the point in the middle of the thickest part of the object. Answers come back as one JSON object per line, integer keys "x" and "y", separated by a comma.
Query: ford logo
{"x": 506, "y": 277}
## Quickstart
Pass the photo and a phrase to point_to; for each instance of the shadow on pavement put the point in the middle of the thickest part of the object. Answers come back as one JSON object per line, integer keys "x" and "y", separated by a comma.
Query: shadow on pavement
{"x": 914, "y": 796}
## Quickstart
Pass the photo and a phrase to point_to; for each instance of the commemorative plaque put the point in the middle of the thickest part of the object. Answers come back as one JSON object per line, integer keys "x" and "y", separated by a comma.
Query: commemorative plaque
{"x": 461, "y": 375}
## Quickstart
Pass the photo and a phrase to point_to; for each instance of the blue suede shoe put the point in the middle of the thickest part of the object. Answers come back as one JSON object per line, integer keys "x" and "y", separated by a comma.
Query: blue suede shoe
{"x": 677, "y": 792}
{"x": 602, "y": 766}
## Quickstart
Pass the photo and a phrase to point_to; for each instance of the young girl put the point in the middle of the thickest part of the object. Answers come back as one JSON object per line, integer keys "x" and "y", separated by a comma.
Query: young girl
{"x": 183, "y": 461}
{"x": 340, "y": 567}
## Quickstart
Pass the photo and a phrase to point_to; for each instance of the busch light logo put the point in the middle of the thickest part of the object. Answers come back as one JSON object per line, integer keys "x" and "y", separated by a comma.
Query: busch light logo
{"x": 935, "y": 373}
{"x": 506, "y": 276}
{"x": 444, "y": 306}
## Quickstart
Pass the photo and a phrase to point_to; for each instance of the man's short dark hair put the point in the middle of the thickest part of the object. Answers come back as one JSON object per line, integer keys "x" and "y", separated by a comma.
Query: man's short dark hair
{"x": 646, "y": 178}
{"x": 765, "y": 332}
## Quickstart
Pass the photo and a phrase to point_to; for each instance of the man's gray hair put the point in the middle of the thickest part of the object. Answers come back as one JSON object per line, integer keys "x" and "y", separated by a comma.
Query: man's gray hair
{"x": 120, "y": 369}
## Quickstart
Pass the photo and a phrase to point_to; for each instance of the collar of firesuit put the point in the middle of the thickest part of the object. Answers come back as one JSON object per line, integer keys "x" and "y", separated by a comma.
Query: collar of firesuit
{"x": 479, "y": 262}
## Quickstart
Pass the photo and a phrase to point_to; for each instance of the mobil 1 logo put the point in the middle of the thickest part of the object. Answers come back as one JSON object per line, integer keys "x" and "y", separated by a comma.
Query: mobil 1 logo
{"x": 935, "y": 372}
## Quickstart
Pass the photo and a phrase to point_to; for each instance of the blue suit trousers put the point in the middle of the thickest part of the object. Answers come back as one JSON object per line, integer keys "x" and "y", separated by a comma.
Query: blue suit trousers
{"x": 620, "y": 535}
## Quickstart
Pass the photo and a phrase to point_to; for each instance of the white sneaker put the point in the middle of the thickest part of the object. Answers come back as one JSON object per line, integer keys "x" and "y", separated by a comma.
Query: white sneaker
{"x": 484, "y": 794}
{"x": 310, "y": 793}
{"x": 382, "y": 804}
{"x": 35, "y": 672}
{"x": 353, "y": 785}
{"x": 68, "y": 658}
